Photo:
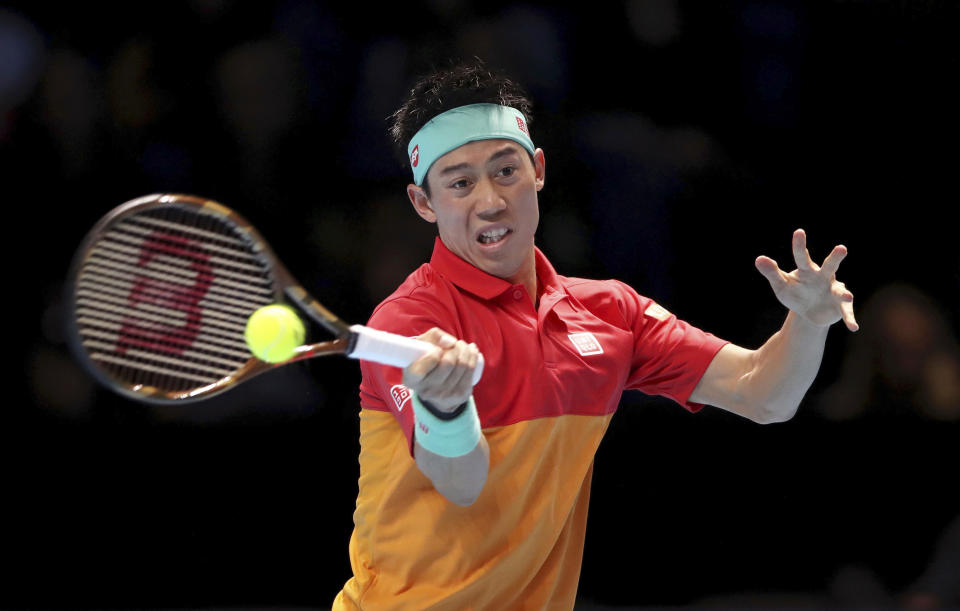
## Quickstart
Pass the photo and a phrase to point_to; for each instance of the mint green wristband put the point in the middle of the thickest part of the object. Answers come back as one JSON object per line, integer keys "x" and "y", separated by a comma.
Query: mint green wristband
{"x": 448, "y": 438}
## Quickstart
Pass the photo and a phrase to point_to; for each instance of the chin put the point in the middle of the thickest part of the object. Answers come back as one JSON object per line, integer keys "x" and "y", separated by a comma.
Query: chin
{"x": 500, "y": 269}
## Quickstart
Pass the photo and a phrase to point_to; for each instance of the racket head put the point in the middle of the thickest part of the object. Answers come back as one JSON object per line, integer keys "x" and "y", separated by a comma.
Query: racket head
{"x": 159, "y": 293}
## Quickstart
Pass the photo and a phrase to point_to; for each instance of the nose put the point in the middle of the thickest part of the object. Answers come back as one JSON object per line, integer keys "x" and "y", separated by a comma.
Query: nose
{"x": 489, "y": 202}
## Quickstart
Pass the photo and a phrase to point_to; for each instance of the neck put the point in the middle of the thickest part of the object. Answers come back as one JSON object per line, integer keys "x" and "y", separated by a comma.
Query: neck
{"x": 527, "y": 276}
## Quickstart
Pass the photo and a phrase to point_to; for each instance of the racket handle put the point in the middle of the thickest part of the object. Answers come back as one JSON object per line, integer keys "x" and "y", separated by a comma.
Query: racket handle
{"x": 392, "y": 349}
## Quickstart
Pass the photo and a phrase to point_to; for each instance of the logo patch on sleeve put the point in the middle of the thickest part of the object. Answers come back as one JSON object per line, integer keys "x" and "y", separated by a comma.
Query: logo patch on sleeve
{"x": 401, "y": 395}
{"x": 655, "y": 310}
{"x": 585, "y": 343}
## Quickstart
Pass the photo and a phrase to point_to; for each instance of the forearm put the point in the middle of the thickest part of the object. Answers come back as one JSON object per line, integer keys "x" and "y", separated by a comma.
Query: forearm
{"x": 461, "y": 478}
{"x": 783, "y": 369}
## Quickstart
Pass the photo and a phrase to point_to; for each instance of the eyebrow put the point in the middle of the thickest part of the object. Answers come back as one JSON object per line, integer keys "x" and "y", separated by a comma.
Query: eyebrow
{"x": 507, "y": 149}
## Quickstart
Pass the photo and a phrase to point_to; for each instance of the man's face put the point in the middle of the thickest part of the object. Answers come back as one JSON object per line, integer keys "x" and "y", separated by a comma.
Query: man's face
{"x": 484, "y": 201}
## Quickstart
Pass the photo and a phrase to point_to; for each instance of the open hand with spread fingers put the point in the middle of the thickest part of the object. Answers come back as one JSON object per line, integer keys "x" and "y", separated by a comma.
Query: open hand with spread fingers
{"x": 811, "y": 291}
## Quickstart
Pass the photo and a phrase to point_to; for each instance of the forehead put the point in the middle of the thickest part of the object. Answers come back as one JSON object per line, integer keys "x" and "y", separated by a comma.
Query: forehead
{"x": 477, "y": 153}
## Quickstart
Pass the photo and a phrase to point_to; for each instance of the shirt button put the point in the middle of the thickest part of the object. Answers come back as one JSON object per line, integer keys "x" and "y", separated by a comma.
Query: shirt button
{"x": 518, "y": 294}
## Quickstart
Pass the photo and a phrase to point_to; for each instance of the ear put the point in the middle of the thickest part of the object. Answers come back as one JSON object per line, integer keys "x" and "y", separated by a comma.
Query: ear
{"x": 539, "y": 168}
{"x": 421, "y": 203}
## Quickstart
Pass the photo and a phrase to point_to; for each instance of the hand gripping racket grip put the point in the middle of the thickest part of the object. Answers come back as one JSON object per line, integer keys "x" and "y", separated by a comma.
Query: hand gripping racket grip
{"x": 391, "y": 349}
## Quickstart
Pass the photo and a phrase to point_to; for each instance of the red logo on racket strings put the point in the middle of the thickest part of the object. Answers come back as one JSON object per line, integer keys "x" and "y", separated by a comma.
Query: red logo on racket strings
{"x": 522, "y": 125}
{"x": 163, "y": 336}
{"x": 401, "y": 394}
{"x": 415, "y": 156}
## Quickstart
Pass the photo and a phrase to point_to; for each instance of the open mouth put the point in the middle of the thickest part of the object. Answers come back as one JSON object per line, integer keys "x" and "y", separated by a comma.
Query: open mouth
{"x": 493, "y": 236}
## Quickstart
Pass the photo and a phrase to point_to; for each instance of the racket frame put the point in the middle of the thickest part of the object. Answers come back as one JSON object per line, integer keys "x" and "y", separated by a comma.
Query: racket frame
{"x": 285, "y": 289}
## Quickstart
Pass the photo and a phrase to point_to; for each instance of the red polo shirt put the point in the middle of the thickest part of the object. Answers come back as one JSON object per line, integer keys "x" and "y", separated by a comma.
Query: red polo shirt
{"x": 553, "y": 378}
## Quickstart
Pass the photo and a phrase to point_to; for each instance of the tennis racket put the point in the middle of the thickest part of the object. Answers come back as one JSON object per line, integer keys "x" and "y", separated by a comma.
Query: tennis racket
{"x": 160, "y": 292}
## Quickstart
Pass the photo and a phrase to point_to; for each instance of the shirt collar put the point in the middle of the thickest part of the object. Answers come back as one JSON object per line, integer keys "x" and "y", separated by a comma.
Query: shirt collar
{"x": 474, "y": 280}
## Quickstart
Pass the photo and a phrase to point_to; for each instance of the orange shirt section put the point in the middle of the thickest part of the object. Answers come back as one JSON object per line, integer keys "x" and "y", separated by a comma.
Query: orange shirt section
{"x": 519, "y": 546}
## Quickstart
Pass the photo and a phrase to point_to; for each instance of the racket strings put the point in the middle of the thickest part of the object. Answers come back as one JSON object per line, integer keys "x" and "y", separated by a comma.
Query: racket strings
{"x": 169, "y": 290}
{"x": 163, "y": 298}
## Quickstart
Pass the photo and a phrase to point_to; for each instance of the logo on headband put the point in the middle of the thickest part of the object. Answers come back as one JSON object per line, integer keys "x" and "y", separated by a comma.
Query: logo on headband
{"x": 522, "y": 126}
{"x": 415, "y": 156}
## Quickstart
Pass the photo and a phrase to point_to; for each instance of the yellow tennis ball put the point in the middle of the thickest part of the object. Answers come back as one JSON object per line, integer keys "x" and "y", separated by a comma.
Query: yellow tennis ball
{"x": 273, "y": 332}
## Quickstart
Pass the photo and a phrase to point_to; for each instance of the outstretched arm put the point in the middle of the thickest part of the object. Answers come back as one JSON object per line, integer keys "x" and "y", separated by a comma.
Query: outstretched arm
{"x": 767, "y": 384}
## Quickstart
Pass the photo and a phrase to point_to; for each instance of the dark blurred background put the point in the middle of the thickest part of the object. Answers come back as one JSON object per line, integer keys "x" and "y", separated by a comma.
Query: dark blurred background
{"x": 682, "y": 140}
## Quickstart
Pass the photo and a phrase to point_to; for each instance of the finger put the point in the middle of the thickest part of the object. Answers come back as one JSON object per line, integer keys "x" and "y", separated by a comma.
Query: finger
{"x": 466, "y": 364}
{"x": 842, "y": 293}
{"x": 771, "y": 271}
{"x": 438, "y": 378}
{"x": 449, "y": 370}
{"x": 464, "y": 356}
{"x": 438, "y": 337}
{"x": 846, "y": 311}
{"x": 450, "y": 383}
{"x": 417, "y": 371}
{"x": 832, "y": 262}
{"x": 471, "y": 357}
{"x": 800, "y": 254}
{"x": 460, "y": 382}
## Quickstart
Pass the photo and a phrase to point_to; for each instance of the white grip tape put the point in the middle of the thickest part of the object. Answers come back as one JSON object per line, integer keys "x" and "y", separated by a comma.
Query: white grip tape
{"x": 392, "y": 349}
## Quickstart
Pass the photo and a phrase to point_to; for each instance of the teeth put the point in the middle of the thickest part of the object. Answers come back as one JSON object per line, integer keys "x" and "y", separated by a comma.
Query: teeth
{"x": 493, "y": 235}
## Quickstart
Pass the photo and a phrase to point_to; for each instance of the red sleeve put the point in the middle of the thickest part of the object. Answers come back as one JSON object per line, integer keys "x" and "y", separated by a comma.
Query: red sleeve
{"x": 381, "y": 387}
{"x": 670, "y": 356}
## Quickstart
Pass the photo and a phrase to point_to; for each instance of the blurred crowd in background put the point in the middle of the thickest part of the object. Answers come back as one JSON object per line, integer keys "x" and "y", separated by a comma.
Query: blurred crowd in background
{"x": 682, "y": 140}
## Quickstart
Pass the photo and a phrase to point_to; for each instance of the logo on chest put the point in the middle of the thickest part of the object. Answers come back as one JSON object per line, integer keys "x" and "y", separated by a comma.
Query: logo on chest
{"x": 585, "y": 343}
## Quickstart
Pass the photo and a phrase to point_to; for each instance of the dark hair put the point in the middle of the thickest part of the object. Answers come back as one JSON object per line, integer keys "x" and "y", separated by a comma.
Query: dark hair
{"x": 442, "y": 90}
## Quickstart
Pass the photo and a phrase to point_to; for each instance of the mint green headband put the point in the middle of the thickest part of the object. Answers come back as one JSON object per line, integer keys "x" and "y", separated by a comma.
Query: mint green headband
{"x": 457, "y": 126}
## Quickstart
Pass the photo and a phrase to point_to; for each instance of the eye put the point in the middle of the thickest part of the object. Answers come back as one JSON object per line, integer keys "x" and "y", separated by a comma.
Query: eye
{"x": 460, "y": 184}
{"x": 507, "y": 171}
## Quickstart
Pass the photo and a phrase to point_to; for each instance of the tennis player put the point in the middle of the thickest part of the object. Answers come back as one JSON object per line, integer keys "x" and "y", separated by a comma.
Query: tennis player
{"x": 476, "y": 497}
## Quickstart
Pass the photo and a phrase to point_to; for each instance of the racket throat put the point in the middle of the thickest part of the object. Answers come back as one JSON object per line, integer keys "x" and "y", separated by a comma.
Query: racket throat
{"x": 324, "y": 317}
